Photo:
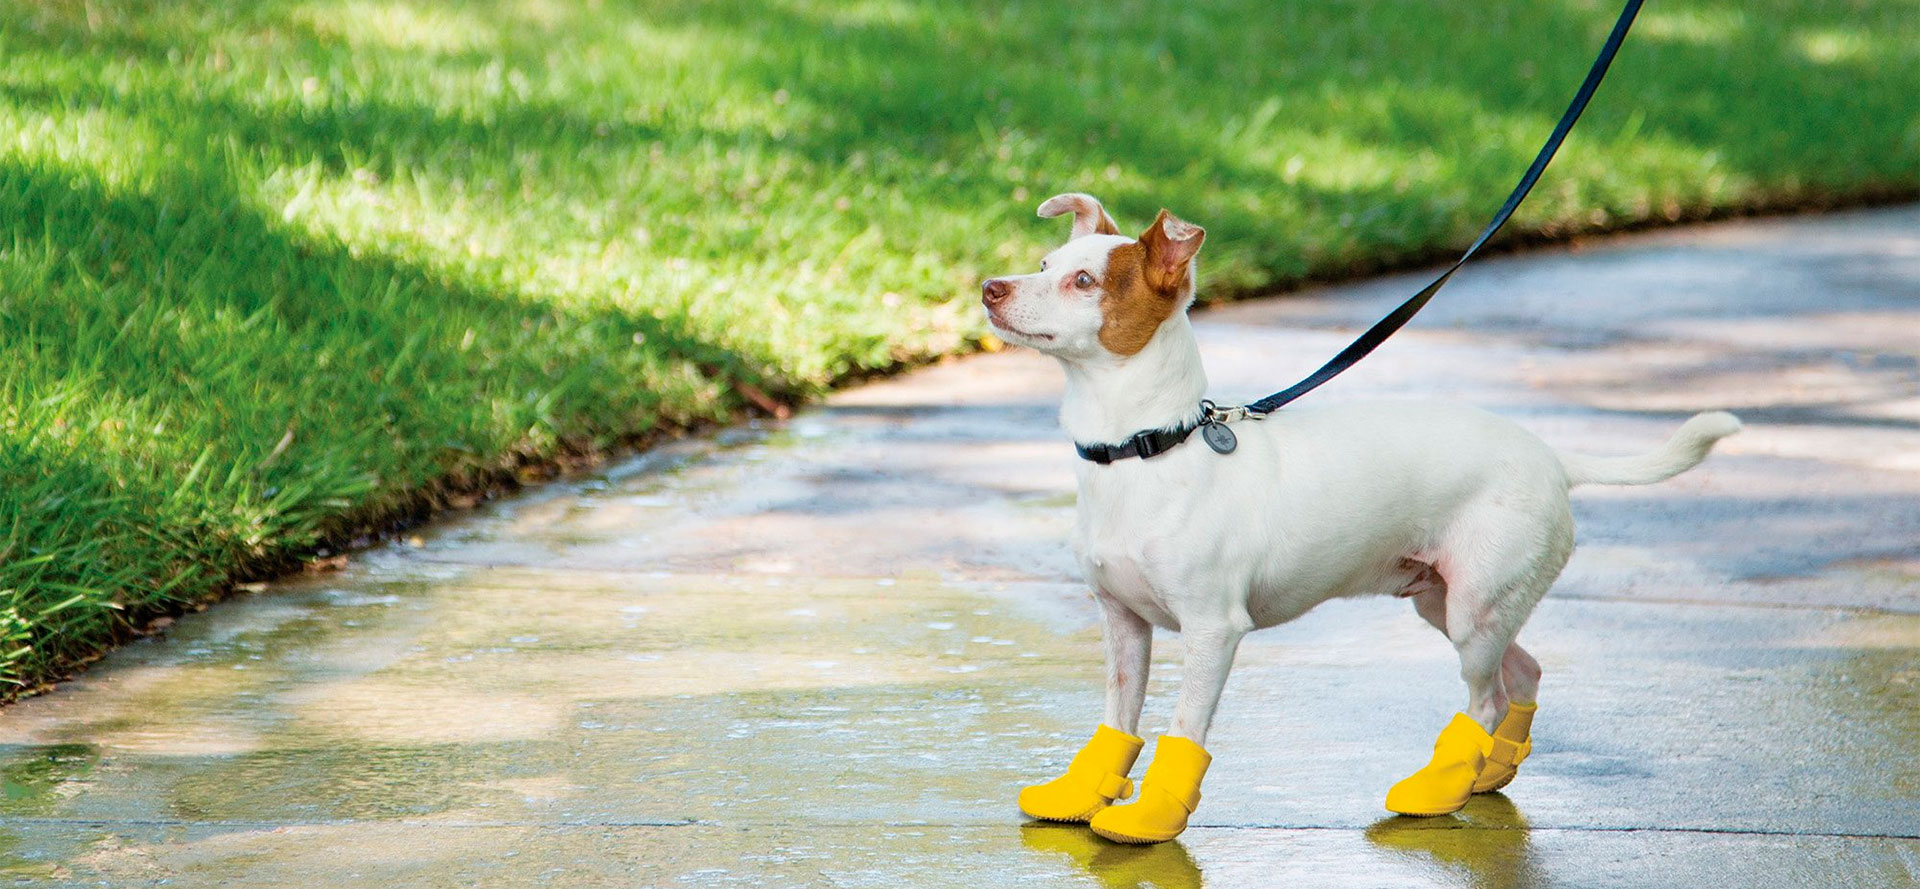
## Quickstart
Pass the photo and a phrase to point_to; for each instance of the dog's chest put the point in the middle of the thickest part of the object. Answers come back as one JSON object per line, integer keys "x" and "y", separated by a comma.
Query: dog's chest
{"x": 1128, "y": 577}
{"x": 1127, "y": 547}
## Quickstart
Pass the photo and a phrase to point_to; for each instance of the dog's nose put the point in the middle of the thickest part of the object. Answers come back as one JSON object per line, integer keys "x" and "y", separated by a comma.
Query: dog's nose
{"x": 995, "y": 292}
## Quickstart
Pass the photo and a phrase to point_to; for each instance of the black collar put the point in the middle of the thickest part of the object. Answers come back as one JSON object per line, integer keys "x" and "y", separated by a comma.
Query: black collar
{"x": 1143, "y": 444}
{"x": 1154, "y": 442}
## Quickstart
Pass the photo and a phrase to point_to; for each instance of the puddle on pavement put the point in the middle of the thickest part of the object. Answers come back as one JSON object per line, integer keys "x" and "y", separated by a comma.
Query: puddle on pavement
{"x": 1165, "y": 865}
{"x": 1487, "y": 845}
{"x": 561, "y": 695}
{"x": 36, "y": 778}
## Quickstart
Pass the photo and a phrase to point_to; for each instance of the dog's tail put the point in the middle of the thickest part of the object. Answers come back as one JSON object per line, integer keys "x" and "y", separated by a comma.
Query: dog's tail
{"x": 1688, "y": 446}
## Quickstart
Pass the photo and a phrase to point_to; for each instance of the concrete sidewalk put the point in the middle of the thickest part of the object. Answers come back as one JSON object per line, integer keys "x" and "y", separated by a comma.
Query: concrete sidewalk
{"x": 828, "y": 654}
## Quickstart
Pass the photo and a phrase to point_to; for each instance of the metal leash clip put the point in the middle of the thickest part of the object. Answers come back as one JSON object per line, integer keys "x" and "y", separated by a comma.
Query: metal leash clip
{"x": 1213, "y": 413}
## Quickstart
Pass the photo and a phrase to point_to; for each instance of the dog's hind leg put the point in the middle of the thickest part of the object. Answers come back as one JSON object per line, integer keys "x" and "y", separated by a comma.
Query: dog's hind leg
{"x": 1519, "y": 672}
{"x": 1513, "y": 737}
{"x": 1503, "y": 681}
{"x": 1487, "y": 602}
{"x": 1494, "y": 576}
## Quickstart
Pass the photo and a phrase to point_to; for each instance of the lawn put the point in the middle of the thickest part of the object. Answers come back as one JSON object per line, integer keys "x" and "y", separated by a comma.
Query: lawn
{"x": 275, "y": 275}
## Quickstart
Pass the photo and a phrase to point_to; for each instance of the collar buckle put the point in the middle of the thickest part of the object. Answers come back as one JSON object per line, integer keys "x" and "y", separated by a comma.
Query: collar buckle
{"x": 1146, "y": 444}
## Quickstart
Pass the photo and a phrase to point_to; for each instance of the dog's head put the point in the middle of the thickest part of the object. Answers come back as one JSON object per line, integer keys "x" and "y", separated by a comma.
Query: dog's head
{"x": 1102, "y": 294}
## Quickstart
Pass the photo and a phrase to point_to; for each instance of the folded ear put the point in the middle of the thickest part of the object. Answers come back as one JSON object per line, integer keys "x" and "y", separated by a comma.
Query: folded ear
{"x": 1170, "y": 244}
{"x": 1089, "y": 218}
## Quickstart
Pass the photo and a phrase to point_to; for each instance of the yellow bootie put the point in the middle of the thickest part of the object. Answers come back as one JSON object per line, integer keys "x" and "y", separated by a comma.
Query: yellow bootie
{"x": 1169, "y": 792}
{"x": 1446, "y": 782}
{"x": 1512, "y": 741}
{"x": 1095, "y": 778}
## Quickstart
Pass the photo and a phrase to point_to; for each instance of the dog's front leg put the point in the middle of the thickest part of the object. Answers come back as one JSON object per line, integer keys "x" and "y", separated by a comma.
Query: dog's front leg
{"x": 1129, "y": 645}
{"x": 1098, "y": 773}
{"x": 1170, "y": 791}
{"x": 1203, "y": 673}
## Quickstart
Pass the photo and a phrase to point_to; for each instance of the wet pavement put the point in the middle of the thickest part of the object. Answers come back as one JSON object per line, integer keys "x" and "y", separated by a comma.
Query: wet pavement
{"x": 828, "y": 653}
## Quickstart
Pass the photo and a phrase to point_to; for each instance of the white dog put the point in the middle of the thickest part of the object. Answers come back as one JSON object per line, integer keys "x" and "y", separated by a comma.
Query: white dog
{"x": 1460, "y": 510}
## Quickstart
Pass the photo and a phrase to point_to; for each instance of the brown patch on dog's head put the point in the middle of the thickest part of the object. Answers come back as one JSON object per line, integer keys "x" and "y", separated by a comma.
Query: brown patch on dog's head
{"x": 1146, "y": 282}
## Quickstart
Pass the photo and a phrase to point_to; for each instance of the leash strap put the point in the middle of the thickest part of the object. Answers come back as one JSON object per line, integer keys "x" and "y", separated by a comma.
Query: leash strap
{"x": 1398, "y": 318}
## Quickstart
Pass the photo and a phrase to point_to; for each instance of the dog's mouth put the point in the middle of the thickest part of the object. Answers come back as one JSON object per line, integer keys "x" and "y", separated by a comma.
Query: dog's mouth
{"x": 1000, "y": 324}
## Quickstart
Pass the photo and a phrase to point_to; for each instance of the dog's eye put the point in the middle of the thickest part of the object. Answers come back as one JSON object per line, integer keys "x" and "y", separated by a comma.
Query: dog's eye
{"x": 1083, "y": 280}
{"x": 1043, "y": 265}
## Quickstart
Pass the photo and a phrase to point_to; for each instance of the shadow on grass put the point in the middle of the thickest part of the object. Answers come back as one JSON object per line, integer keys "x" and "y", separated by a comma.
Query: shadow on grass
{"x": 297, "y": 391}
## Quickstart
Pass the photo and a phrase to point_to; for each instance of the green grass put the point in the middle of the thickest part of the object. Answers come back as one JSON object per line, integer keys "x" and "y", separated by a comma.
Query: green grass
{"x": 271, "y": 270}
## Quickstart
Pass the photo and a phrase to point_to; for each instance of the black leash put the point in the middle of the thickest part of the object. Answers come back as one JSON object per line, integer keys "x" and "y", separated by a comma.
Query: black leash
{"x": 1398, "y": 318}
{"x": 1213, "y": 419}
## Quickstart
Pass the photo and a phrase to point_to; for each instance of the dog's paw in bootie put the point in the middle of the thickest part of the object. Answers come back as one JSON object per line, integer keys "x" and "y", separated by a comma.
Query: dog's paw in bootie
{"x": 1512, "y": 741}
{"x": 1446, "y": 783}
{"x": 1095, "y": 778}
{"x": 1169, "y": 792}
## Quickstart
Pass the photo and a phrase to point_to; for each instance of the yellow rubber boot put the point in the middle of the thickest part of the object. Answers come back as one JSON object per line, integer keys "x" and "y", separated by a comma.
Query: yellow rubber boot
{"x": 1446, "y": 782}
{"x": 1169, "y": 792}
{"x": 1512, "y": 741}
{"x": 1095, "y": 778}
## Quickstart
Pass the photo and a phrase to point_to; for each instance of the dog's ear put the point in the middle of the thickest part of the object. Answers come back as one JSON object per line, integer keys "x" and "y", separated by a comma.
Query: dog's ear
{"x": 1089, "y": 218}
{"x": 1170, "y": 244}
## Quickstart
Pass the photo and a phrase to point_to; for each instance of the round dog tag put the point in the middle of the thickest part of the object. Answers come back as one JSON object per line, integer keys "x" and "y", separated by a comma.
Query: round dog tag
{"x": 1219, "y": 438}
